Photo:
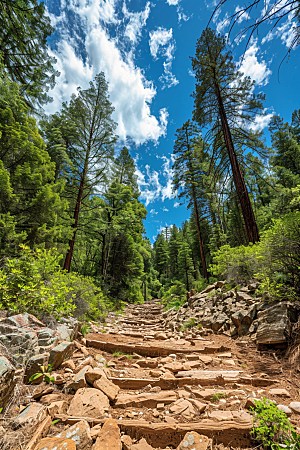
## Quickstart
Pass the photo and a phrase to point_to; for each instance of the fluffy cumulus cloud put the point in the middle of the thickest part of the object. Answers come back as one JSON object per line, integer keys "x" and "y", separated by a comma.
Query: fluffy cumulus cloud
{"x": 162, "y": 44}
{"x": 173, "y": 2}
{"x": 87, "y": 49}
{"x": 156, "y": 185}
{"x": 252, "y": 67}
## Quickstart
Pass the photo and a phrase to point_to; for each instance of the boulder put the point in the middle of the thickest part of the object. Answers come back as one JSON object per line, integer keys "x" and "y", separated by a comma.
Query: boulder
{"x": 80, "y": 434}
{"x": 275, "y": 322}
{"x": 88, "y": 402}
{"x": 218, "y": 321}
{"x": 60, "y": 353}
{"x": 109, "y": 437}
{"x": 24, "y": 320}
{"x": 195, "y": 441}
{"x": 243, "y": 297}
{"x": 7, "y": 383}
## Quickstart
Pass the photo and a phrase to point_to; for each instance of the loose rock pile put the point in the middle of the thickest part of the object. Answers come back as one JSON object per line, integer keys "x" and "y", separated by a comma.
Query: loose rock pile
{"x": 140, "y": 383}
{"x": 237, "y": 313}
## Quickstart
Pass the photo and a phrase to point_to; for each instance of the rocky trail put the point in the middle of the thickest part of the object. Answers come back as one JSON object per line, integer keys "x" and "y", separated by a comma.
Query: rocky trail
{"x": 134, "y": 384}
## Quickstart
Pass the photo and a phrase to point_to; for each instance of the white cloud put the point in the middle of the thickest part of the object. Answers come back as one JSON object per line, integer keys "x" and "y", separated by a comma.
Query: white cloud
{"x": 130, "y": 92}
{"x": 241, "y": 14}
{"x": 173, "y": 2}
{"x": 176, "y": 204}
{"x": 136, "y": 22}
{"x": 261, "y": 122}
{"x": 156, "y": 185}
{"x": 191, "y": 73}
{"x": 162, "y": 43}
{"x": 252, "y": 67}
{"x": 286, "y": 32}
{"x": 152, "y": 211}
{"x": 222, "y": 24}
{"x": 160, "y": 38}
{"x": 165, "y": 209}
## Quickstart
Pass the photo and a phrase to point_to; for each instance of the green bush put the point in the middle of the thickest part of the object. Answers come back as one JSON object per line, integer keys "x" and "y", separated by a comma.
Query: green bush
{"x": 35, "y": 283}
{"x": 272, "y": 427}
{"x": 175, "y": 296}
{"x": 274, "y": 261}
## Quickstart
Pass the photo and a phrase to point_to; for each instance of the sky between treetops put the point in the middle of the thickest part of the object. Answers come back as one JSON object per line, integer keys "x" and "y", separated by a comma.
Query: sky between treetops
{"x": 144, "y": 49}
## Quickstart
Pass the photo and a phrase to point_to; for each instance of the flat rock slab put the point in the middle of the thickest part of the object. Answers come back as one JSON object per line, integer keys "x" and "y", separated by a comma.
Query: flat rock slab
{"x": 88, "y": 402}
{"x": 149, "y": 400}
{"x": 55, "y": 443}
{"x": 153, "y": 348}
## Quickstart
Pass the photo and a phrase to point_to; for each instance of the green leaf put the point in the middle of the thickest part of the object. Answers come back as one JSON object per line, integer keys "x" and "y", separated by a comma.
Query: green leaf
{"x": 35, "y": 376}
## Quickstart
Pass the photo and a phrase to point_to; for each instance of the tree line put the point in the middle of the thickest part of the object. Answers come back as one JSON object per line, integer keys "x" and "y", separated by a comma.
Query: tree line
{"x": 234, "y": 184}
{"x": 63, "y": 188}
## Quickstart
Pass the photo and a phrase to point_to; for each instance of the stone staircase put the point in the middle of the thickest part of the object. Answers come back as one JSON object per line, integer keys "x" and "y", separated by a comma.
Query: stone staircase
{"x": 156, "y": 387}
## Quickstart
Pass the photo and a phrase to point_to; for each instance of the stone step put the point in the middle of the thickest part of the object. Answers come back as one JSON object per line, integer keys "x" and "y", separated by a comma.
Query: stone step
{"x": 154, "y": 348}
{"x": 175, "y": 383}
{"x": 226, "y": 427}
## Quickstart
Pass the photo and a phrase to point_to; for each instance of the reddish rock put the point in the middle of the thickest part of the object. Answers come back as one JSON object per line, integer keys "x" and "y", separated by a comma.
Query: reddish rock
{"x": 60, "y": 407}
{"x": 55, "y": 443}
{"x": 142, "y": 445}
{"x": 88, "y": 402}
{"x": 94, "y": 374}
{"x": 109, "y": 438}
{"x": 80, "y": 434}
{"x": 107, "y": 387}
{"x": 194, "y": 441}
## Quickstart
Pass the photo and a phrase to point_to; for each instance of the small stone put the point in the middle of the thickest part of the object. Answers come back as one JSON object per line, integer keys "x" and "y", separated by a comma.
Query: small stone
{"x": 79, "y": 380}
{"x": 142, "y": 445}
{"x": 160, "y": 406}
{"x": 31, "y": 413}
{"x": 285, "y": 409}
{"x": 69, "y": 364}
{"x": 280, "y": 392}
{"x": 94, "y": 374}
{"x": 59, "y": 407}
{"x": 295, "y": 407}
{"x": 33, "y": 366}
{"x": 194, "y": 441}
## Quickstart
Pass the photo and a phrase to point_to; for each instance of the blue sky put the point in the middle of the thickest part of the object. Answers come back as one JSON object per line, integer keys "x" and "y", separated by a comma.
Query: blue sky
{"x": 144, "y": 49}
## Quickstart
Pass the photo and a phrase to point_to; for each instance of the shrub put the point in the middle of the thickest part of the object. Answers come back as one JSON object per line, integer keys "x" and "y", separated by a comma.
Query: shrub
{"x": 274, "y": 261}
{"x": 34, "y": 282}
{"x": 175, "y": 296}
{"x": 272, "y": 427}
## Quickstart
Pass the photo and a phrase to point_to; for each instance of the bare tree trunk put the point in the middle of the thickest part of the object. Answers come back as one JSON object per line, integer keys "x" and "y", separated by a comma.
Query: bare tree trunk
{"x": 68, "y": 259}
{"x": 200, "y": 237}
{"x": 240, "y": 186}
